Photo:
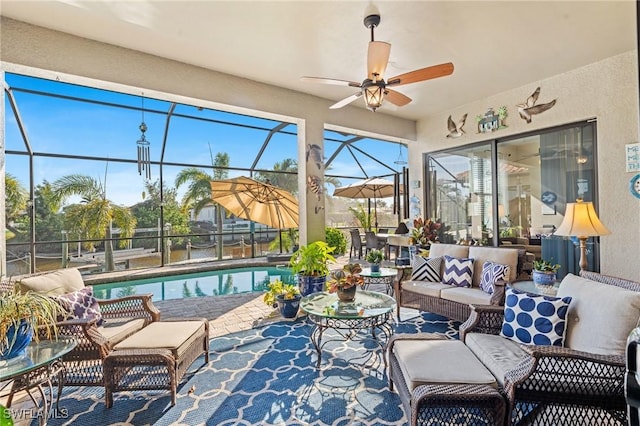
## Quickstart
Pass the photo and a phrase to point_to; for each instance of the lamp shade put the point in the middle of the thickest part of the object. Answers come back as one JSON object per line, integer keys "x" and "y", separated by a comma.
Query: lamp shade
{"x": 581, "y": 220}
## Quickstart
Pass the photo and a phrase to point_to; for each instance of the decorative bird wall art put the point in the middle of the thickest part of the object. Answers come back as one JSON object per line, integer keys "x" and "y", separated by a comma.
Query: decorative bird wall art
{"x": 455, "y": 129}
{"x": 529, "y": 108}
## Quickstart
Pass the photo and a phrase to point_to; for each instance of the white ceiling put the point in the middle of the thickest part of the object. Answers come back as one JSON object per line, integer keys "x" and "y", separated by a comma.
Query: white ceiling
{"x": 494, "y": 45}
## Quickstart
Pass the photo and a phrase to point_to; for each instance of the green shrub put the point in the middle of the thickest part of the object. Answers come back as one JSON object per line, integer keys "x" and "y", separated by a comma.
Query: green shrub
{"x": 335, "y": 238}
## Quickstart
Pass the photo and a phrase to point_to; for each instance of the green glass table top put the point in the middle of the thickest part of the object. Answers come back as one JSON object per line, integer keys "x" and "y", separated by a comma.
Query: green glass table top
{"x": 37, "y": 355}
{"x": 384, "y": 272}
{"x": 367, "y": 304}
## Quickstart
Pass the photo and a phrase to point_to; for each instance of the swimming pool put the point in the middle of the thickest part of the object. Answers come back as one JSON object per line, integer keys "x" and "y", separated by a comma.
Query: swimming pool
{"x": 209, "y": 283}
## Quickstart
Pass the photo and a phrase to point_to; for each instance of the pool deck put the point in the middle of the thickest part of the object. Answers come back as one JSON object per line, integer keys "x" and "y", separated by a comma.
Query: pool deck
{"x": 226, "y": 314}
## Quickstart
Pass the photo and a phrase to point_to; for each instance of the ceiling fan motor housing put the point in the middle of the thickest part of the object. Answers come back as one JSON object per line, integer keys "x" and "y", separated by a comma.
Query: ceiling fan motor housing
{"x": 371, "y": 21}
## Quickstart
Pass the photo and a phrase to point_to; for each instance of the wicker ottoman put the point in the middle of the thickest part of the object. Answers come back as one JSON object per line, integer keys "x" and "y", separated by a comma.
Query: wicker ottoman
{"x": 440, "y": 381}
{"x": 155, "y": 357}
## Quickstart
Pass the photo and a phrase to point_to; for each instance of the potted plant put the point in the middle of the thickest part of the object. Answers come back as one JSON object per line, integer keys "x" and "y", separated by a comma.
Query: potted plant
{"x": 544, "y": 272}
{"x": 345, "y": 281}
{"x": 286, "y": 297}
{"x": 20, "y": 314}
{"x": 375, "y": 257}
{"x": 310, "y": 264}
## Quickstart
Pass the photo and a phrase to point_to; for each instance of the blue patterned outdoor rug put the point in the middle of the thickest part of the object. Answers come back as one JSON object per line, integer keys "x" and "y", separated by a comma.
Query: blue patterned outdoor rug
{"x": 265, "y": 376}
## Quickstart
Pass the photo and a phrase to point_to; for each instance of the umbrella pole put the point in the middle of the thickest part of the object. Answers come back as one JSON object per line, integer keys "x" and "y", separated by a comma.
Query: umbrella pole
{"x": 375, "y": 213}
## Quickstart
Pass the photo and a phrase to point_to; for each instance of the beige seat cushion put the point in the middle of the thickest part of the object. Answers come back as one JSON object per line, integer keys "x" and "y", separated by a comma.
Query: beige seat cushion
{"x": 465, "y": 295}
{"x": 424, "y": 287}
{"x": 600, "y": 316}
{"x": 54, "y": 283}
{"x": 115, "y": 332}
{"x": 455, "y": 250}
{"x": 425, "y": 362}
{"x": 176, "y": 336}
{"x": 496, "y": 353}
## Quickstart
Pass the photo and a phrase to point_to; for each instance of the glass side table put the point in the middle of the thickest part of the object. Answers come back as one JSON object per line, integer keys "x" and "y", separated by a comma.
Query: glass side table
{"x": 35, "y": 370}
{"x": 537, "y": 289}
{"x": 370, "y": 310}
{"x": 384, "y": 276}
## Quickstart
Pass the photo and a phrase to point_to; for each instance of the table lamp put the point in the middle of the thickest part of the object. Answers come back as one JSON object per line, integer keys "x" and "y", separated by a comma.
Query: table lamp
{"x": 581, "y": 221}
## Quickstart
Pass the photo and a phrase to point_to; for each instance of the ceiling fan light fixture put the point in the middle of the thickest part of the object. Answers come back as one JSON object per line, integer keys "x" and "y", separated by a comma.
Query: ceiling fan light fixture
{"x": 373, "y": 94}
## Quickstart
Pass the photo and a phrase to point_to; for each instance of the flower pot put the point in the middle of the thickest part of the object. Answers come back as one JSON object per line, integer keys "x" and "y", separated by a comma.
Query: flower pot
{"x": 543, "y": 277}
{"x": 347, "y": 294}
{"x": 17, "y": 341}
{"x": 375, "y": 267}
{"x": 288, "y": 307}
{"x": 310, "y": 284}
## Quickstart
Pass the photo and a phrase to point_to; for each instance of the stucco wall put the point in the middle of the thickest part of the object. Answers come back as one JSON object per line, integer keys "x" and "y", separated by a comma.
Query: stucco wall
{"x": 605, "y": 90}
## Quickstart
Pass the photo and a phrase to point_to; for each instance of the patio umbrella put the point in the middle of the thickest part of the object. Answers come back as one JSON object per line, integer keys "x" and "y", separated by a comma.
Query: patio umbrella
{"x": 369, "y": 188}
{"x": 256, "y": 201}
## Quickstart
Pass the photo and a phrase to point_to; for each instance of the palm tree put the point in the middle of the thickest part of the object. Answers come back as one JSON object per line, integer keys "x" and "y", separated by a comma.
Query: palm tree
{"x": 16, "y": 197}
{"x": 92, "y": 218}
{"x": 198, "y": 193}
{"x": 284, "y": 175}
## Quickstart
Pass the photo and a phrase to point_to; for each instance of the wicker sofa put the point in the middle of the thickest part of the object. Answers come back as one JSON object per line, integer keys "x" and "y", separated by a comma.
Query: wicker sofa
{"x": 123, "y": 317}
{"x": 450, "y": 301}
{"x": 579, "y": 383}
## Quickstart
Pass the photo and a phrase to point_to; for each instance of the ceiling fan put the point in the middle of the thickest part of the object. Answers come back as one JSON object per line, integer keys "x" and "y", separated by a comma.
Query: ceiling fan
{"x": 374, "y": 88}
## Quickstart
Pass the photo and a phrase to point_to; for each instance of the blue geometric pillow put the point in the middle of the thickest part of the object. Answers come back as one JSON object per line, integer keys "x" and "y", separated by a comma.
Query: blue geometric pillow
{"x": 458, "y": 272}
{"x": 426, "y": 269}
{"x": 491, "y": 273}
{"x": 534, "y": 320}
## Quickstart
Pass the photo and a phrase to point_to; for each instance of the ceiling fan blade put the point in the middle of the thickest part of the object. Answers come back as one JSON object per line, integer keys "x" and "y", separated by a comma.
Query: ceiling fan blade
{"x": 346, "y": 101}
{"x": 377, "y": 59}
{"x": 422, "y": 74}
{"x": 396, "y": 98}
{"x": 334, "y": 81}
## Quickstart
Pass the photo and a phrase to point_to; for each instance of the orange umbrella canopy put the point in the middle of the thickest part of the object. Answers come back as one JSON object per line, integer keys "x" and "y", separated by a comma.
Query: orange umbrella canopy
{"x": 257, "y": 201}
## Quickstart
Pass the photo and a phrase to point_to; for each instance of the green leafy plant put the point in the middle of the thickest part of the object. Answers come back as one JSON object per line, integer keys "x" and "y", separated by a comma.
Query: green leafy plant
{"x": 278, "y": 288}
{"x": 375, "y": 256}
{"x": 345, "y": 278}
{"x": 39, "y": 310}
{"x": 363, "y": 218}
{"x": 545, "y": 266}
{"x": 335, "y": 238}
{"x": 312, "y": 259}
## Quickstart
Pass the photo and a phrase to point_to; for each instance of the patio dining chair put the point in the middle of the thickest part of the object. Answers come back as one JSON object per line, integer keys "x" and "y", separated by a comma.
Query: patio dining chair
{"x": 356, "y": 243}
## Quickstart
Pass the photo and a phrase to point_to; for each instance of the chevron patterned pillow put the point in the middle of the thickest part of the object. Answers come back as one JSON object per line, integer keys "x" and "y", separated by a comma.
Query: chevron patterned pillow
{"x": 458, "y": 272}
{"x": 426, "y": 269}
{"x": 491, "y": 273}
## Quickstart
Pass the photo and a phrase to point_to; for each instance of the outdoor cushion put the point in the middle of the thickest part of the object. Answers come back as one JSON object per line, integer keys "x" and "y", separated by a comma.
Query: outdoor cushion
{"x": 424, "y": 287}
{"x": 457, "y": 271}
{"x": 466, "y": 295}
{"x": 534, "y": 320}
{"x": 54, "y": 283}
{"x": 116, "y": 332}
{"x": 491, "y": 273}
{"x": 426, "y": 268}
{"x": 455, "y": 250}
{"x": 421, "y": 363}
{"x": 505, "y": 256}
{"x": 600, "y": 317}
{"x": 80, "y": 304}
{"x": 496, "y": 353}
{"x": 173, "y": 335}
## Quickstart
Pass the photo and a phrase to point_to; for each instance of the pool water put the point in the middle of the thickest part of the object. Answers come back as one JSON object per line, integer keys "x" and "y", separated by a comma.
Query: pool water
{"x": 209, "y": 283}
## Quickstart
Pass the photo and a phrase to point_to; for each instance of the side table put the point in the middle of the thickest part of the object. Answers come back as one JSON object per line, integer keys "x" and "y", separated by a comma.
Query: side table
{"x": 35, "y": 370}
{"x": 384, "y": 276}
{"x": 537, "y": 289}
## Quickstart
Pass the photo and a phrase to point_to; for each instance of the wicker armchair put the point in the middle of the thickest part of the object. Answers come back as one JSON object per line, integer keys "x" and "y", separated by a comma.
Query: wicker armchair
{"x": 123, "y": 317}
{"x": 559, "y": 385}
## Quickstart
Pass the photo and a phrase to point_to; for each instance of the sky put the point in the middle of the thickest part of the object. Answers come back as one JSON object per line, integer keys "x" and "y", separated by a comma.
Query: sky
{"x": 56, "y": 125}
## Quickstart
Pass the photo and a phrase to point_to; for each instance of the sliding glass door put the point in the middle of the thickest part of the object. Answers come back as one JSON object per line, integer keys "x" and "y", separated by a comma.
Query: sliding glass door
{"x": 518, "y": 187}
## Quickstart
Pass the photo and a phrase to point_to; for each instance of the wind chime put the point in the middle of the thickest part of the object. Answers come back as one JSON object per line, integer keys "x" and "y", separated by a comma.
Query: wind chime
{"x": 144, "y": 158}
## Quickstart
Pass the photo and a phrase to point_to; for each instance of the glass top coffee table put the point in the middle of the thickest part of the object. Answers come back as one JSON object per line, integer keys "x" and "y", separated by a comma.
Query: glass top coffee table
{"x": 369, "y": 311}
